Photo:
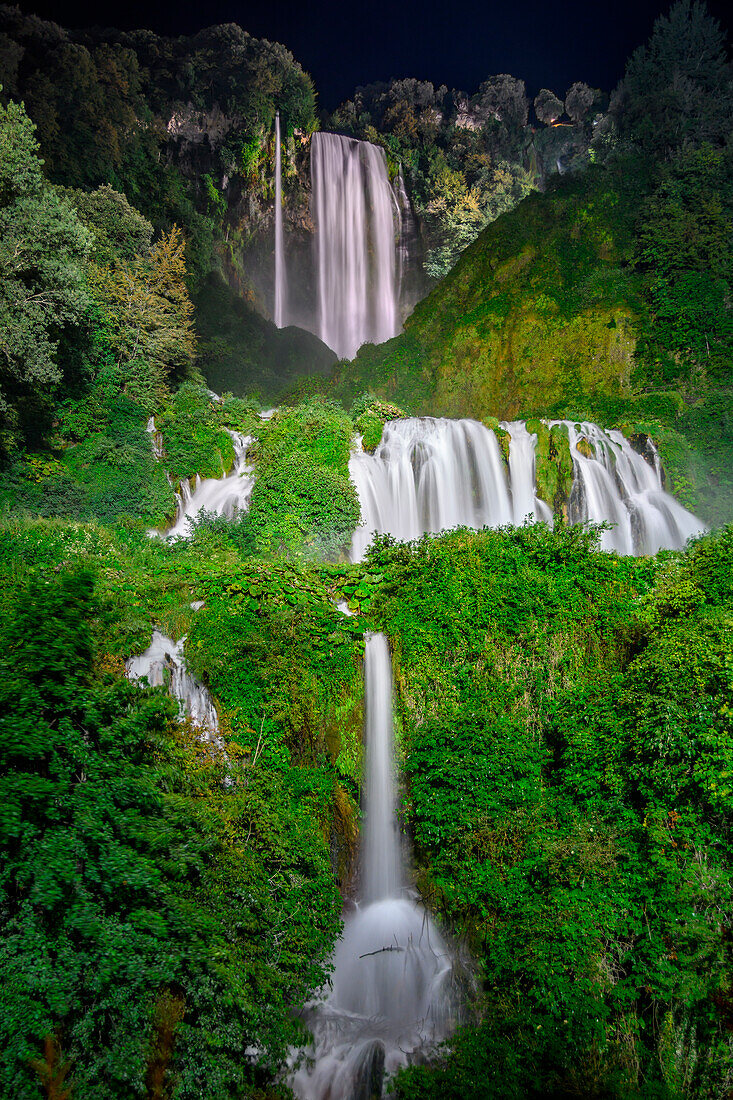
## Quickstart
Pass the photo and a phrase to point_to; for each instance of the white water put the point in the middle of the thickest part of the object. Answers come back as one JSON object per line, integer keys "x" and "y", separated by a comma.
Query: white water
{"x": 356, "y": 220}
{"x": 224, "y": 496}
{"x": 280, "y": 275}
{"x": 156, "y": 439}
{"x": 617, "y": 484}
{"x": 390, "y": 998}
{"x": 163, "y": 664}
{"x": 428, "y": 475}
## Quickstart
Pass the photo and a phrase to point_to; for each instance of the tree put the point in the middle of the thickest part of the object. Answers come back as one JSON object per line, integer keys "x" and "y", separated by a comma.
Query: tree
{"x": 42, "y": 249}
{"x": 678, "y": 89}
{"x": 120, "y": 231}
{"x": 685, "y": 247}
{"x": 548, "y": 107}
{"x": 578, "y": 101}
{"x": 146, "y": 303}
{"x": 504, "y": 98}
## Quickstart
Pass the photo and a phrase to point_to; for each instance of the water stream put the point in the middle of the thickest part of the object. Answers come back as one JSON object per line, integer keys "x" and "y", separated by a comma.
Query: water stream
{"x": 280, "y": 273}
{"x": 391, "y": 998}
{"x": 164, "y": 665}
{"x": 222, "y": 496}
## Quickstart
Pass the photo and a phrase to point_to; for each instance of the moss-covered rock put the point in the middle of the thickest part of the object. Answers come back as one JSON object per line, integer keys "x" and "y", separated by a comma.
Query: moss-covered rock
{"x": 539, "y": 309}
{"x": 554, "y": 465}
{"x": 370, "y": 422}
{"x": 503, "y": 437}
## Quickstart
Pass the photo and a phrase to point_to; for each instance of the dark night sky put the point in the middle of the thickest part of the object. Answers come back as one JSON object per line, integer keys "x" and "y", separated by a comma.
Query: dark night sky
{"x": 342, "y": 45}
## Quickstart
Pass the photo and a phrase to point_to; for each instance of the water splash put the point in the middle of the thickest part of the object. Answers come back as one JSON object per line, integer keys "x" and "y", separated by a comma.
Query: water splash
{"x": 357, "y": 222}
{"x": 428, "y": 475}
{"x": 390, "y": 1000}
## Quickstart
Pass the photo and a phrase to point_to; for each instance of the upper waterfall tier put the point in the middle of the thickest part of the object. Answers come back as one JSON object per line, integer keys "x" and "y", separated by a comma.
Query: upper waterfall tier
{"x": 280, "y": 284}
{"x": 357, "y": 222}
{"x": 428, "y": 475}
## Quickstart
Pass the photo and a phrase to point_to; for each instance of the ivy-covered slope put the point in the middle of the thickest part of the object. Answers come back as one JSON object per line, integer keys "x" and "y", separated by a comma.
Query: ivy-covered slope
{"x": 539, "y": 310}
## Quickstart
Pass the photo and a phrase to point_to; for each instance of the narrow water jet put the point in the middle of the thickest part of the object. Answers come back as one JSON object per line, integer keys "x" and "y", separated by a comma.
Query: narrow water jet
{"x": 390, "y": 1000}
{"x": 280, "y": 273}
{"x": 356, "y": 220}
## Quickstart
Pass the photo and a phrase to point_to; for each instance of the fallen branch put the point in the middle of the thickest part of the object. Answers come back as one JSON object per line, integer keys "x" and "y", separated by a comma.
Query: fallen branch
{"x": 379, "y": 951}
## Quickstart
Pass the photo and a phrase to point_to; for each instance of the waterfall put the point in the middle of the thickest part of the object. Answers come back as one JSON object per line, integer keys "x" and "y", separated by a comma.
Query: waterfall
{"x": 390, "y": 998}
{"x": 354, "y": 212}
{"x": 617, "y": 484}
{"x": 381, "y": 849}
{"x": 224, "y": 496}
{"x": 163, "y": 663}
{"x": 156, "y": 439}
{"x": 280, "y": 283}
{"x": 428, "y": 475}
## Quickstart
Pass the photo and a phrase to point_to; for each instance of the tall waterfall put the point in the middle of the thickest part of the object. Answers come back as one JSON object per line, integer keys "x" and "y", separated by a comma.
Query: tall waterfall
{"x": 428, "y": 475}
{"x": 357, "y": 221}
{"x": 390, "y": 998}
{"x": 280, "y": 275}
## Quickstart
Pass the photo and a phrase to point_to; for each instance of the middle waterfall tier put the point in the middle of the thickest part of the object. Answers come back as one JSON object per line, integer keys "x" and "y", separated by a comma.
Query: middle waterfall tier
{"x": 428, "y": 475}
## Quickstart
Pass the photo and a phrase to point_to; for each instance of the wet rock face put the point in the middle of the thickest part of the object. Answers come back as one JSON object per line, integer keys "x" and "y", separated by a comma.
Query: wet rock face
{"x": 642, "y": 444}
{"x": 189, "y": 126}
{"x": 369, "y": 1074}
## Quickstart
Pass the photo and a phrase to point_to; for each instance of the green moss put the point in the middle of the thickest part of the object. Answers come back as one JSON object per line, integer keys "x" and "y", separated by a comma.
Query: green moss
{"x": 194, "y": 439}
{"x": 502, "y": 435}
{"x": 370, "y": 427}
{"x": 371, "y": 415}
{"x": 554, "y": 465}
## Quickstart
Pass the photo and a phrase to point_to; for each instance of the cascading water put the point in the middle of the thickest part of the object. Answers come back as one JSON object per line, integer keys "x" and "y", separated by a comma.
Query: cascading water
{"x": 354, "y": 212}
{"x": 428, "y": 475}
{"x": 280, "y": 275}
{"x": 619, "y": 485}
{"x": 224, "y": 496}
{"x": 163, "y": 664}
{"x": 390, "y": 999}
{"x": 156, "y": 439}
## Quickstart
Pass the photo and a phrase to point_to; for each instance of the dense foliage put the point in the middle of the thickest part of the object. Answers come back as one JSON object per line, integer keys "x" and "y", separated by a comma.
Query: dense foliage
{"x": 465, "y": 159}
{"x": 567, "y": 735}
{"x": 150, "y": 886}
{"x": 303, "y": 501}
{"x": 168, "y": 902}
